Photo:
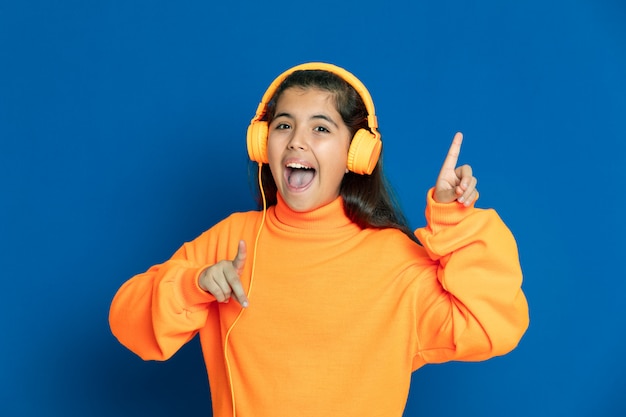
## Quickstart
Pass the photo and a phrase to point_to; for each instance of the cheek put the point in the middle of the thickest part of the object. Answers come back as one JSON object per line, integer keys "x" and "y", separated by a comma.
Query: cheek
{"x": 274, "y": 157}
{"x": 343, "y": 152}
{"x": 339, "y": 157}
{"x": 273, "y": 154}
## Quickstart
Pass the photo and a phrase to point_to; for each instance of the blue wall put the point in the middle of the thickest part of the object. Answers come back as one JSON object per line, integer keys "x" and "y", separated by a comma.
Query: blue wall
{"x": 122, "y": 130}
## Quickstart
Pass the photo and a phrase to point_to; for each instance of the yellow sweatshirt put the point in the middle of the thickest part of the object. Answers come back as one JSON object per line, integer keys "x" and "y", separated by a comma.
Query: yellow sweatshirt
{"x": 339, "y": 317}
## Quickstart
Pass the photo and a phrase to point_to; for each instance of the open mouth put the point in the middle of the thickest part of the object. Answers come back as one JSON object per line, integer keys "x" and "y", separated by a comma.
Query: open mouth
{"x": 299, "y": 176}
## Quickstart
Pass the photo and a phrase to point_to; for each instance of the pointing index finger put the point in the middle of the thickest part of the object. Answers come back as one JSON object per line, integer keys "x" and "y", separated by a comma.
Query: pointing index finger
{"x": 240, "y": 258}
{"x": 453, "y": 153}
{"x": 235, "y": 283}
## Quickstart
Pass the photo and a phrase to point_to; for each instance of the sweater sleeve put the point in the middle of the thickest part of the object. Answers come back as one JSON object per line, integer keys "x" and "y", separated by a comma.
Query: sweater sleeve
{"x": 156, "y": 312}
{"x": 475, "y": 308}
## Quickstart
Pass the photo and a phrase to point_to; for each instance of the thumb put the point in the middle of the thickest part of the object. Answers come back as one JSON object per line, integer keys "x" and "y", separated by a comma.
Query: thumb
{"x": 444, "y": 195}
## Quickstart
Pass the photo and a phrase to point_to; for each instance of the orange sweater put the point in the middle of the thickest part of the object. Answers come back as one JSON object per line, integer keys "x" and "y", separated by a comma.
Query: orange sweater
{"x": 339, "y": 317}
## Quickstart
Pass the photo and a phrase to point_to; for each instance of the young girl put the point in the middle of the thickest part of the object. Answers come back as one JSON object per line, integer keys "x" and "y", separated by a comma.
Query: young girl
{"x": 335, "y": 301}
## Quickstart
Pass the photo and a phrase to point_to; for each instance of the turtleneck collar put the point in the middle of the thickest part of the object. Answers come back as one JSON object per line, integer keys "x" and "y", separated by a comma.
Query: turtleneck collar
{"x": 330, "y": 216}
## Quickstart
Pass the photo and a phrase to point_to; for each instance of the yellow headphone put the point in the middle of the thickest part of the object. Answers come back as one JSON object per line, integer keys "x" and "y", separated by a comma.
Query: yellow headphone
{"x": 366, "y": 144}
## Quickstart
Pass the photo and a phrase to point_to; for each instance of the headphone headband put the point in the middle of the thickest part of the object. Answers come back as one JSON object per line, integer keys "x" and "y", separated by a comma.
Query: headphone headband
{"x": 347, "y": 76}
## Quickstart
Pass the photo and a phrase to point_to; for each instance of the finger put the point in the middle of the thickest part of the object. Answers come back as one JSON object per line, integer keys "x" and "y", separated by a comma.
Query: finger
{"x": 222, "y": 281}
{"x": 233, "y": 279}
{"x": 237, "y": 288}
{"x": 470, "y": 198}
{"x": 219, "y": 288}
{"x": 470, "y": 193}
{"x": 240, "y": 258}
{"x": 453, "y": 153}
{"x": 465, "y": 178}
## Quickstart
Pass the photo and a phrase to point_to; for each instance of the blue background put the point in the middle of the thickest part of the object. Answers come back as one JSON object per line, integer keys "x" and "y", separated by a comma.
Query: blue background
{"x": 122, "y": 135}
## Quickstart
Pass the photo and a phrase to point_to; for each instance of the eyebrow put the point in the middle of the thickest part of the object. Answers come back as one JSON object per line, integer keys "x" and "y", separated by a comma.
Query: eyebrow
{"x": 315, "y": 116}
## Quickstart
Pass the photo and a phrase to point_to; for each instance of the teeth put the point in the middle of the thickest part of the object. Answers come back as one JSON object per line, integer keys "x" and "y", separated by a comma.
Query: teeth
{"x": 297, "y": 166}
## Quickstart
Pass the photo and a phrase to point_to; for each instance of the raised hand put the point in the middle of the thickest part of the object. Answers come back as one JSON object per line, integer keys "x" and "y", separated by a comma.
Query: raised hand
{"x": 222, "y": 279}
{"x": 455, "y": 183}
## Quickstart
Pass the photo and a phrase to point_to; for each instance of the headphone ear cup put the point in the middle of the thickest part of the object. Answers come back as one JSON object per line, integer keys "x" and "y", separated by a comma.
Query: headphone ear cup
{"x": 364, "y": 152}
{"x": 257, "y": 141}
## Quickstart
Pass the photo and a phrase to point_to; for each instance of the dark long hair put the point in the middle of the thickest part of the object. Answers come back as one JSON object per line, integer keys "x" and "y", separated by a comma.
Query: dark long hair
{"x": 368, "y": 200}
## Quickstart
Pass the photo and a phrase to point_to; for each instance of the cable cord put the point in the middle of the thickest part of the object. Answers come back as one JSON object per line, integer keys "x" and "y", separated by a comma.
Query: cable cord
{"x": 227, "y": 337}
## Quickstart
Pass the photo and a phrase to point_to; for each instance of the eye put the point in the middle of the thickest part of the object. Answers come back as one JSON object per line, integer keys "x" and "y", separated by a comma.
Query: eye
{"x": 282, "y": 126}
{"x": 321, "y": 129}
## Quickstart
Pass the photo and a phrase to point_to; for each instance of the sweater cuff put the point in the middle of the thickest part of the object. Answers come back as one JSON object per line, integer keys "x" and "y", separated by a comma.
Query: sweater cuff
{"x": 442, "y": 215}
{"x": 191, "y": 293}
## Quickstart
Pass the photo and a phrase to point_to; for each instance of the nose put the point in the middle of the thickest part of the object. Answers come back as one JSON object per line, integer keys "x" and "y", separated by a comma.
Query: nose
{"x": 298, "y": 140}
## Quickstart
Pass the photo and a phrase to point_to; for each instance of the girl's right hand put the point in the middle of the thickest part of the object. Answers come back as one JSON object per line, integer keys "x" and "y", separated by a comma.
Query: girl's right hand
{"x": 222, "y": 279}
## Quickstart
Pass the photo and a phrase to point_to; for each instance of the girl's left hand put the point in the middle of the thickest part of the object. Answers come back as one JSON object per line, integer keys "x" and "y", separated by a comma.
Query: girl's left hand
{"x": 455, "y": 183}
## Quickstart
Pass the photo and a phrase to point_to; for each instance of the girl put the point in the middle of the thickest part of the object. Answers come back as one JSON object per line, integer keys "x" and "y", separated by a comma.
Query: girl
{"x": 337, "y": 304}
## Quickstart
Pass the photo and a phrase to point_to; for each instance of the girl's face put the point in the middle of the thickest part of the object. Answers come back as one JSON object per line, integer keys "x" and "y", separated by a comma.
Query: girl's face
{"x": 307, "y": 148}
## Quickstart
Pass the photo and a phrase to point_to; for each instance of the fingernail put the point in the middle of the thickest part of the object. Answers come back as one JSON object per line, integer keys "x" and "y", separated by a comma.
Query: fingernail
{"x": 244, "y": 304}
